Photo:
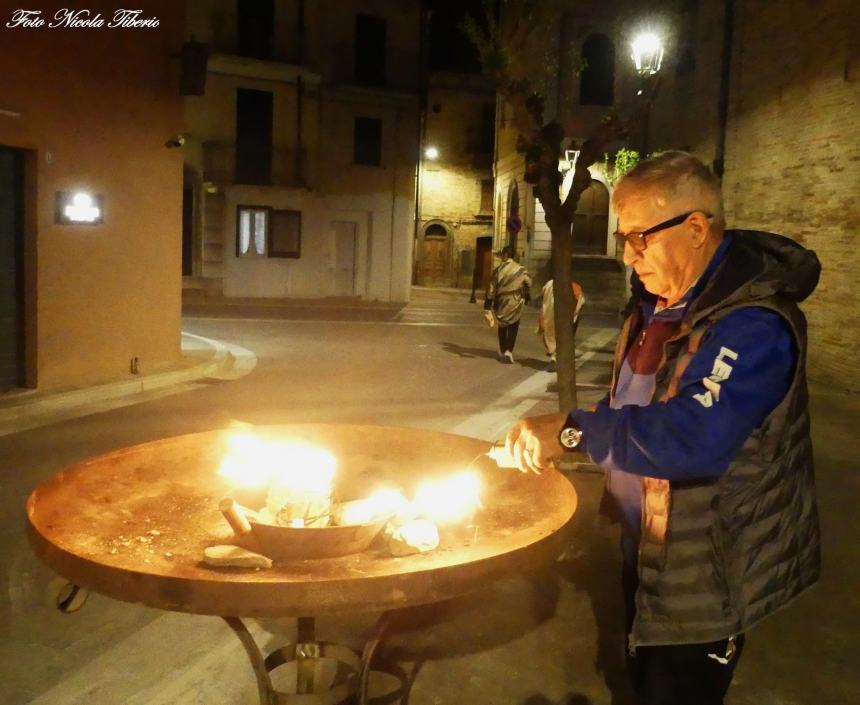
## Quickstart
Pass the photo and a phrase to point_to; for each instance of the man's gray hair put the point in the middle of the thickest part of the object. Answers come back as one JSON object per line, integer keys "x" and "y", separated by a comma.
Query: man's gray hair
{"x": 676, "y": 178}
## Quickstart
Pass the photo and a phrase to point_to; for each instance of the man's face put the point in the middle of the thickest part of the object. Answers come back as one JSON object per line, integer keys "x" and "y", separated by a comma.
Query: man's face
{"x": 665, "y": 263}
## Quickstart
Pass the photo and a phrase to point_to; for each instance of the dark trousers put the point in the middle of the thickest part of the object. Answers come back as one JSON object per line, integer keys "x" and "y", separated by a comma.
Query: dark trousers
{"x": 508, "y": 337}
{"x": 683, "y": 674}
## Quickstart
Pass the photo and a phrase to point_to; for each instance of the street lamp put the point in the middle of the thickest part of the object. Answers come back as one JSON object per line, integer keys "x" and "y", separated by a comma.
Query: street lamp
{"x": 647, "y": 58}
{"x": 431, "y": 153}
{"x": 647, "y": 53}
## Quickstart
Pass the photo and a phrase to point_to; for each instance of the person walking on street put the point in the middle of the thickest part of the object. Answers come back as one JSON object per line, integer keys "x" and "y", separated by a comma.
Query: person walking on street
{"x": 705, "y": 435}
{"x": 507, "y": 293}
{"x": 546, "y": 317}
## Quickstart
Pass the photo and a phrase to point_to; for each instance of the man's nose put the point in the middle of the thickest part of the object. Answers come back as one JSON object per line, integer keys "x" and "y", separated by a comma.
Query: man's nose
{"x": 631, "y": 256}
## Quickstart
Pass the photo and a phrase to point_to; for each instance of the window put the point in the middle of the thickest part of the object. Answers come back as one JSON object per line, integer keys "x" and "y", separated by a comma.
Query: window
{"x": 367, "y": 146}
{"x": 252, "y": 226}
{"x": 265, "y": 232}
{"x": 369, "y": 56}
{"x": 285, "y": 234}
{"x": 597, "y": 80}
{"x": 486, "y": 196}
{"x": 255, "y": 28}
{"x": 253, "y": 136}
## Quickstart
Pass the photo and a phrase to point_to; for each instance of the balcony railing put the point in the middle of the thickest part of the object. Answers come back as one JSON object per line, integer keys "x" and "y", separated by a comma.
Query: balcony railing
{"x": 225, "y": 164}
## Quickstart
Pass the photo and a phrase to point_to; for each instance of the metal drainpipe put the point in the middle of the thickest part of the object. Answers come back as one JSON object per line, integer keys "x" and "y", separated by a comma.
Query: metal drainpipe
{"x": 300, "y": 175}
{"x": 301, "y": 37}
{"x": 423, "y": 23}
{"x": 394, "y": 161}
{"x": 725, "y": 77}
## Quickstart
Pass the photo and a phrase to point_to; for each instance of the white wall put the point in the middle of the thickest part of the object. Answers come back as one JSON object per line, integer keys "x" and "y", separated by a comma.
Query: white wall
{"x": 382, "y": 263}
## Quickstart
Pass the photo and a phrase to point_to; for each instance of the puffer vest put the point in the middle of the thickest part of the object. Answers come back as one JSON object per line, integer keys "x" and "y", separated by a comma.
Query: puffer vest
{"x": 717, "y": 557}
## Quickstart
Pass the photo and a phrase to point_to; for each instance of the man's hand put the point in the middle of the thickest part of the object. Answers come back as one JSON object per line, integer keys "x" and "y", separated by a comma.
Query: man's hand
{"x": 533, "y": 442}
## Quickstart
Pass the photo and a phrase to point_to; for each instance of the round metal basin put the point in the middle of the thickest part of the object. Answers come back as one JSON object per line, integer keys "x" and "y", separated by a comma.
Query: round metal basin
{"x": 133, "y": 524}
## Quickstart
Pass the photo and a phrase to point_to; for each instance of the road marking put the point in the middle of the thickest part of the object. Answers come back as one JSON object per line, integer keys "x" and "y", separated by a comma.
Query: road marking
{"x": 494, "y": 421}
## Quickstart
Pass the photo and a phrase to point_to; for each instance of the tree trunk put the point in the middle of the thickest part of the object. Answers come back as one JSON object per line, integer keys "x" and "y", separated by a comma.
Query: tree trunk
{"x": 562, "y": 250}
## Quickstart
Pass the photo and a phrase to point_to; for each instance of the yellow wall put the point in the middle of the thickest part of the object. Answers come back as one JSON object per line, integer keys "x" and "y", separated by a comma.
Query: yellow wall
{"x": 96, "y": 108}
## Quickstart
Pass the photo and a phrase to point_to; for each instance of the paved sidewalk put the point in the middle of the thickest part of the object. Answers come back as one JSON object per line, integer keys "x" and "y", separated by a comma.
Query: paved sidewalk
{"x": 202, "y": 358}
{"x": 329, "y": 309}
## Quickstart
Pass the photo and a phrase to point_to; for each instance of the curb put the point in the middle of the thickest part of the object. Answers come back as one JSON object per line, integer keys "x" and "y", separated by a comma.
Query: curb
{"x": 33, "y": 409}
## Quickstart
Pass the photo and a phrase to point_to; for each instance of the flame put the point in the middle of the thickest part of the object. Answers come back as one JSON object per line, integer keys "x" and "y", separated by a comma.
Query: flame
{"x": 253, "y": 462}
{"x": 451, "y": 500}
{"x": 383, "y": 503}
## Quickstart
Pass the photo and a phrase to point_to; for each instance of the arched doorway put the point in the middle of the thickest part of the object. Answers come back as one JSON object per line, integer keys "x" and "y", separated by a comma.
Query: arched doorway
{"x": 591, "y": 221}
{"x": 434, "y": 262}
{"x": 513, "y": 222}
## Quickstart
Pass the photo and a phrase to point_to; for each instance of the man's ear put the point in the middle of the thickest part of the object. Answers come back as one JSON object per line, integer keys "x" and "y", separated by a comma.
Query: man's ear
{"x": 701, "y": 228}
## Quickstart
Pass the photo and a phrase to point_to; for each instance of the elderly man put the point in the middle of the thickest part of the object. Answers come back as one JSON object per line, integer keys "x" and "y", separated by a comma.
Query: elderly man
{"x": 704, "y": 437}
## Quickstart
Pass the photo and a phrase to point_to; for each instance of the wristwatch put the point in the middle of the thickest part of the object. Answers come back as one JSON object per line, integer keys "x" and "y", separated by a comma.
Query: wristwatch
{"x": 570, "y": 435}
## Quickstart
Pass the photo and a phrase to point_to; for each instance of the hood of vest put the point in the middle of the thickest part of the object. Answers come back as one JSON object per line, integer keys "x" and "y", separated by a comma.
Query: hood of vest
{"x": 758, "y": 266}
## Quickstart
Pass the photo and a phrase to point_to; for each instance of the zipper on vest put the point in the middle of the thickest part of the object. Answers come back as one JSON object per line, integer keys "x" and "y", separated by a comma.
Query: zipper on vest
{"x": 642, "y": 338}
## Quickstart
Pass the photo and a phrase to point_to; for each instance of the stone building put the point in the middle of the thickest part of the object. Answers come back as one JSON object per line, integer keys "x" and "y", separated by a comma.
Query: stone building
{"x": 455, "y": 214}
{"x": 90, "y": 198}
{"x": 301, "y": 151}
{"x": 586, "y": 36}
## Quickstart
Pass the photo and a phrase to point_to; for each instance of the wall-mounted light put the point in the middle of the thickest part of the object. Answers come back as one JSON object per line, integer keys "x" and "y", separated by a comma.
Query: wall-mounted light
{"x": 431, "y": 153}
{"x": 79, "y": 208}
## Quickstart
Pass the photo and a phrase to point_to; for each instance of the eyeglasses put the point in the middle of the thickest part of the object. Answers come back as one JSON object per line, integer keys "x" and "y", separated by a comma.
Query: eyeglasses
{"x": 637, "y": 239}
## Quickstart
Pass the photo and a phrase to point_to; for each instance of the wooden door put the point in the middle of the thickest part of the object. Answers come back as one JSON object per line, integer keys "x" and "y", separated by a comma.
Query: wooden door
{"x": 483, "y": 262}
{"x": 591, "y": 221}
{"x": 435, "y": 259}
{"x": 11, "y": 270}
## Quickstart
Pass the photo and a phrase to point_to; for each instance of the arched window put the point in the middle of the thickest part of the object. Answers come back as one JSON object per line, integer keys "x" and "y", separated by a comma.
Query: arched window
{"x": 597, "y": 80}
{"x": 513, "y": 222}
{"x": 436, "y": 230}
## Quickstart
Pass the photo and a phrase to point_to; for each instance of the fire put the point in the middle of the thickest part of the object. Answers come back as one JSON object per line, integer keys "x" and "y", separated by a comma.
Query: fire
{"x": 380, "y": 505}
{"x": 299, "y": 477}
{"x": 451, "y": 500}
{"x": 253, "y": 462}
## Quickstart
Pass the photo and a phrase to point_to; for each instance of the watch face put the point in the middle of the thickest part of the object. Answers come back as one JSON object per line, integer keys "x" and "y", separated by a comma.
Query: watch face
{"x": 570, "y": 437}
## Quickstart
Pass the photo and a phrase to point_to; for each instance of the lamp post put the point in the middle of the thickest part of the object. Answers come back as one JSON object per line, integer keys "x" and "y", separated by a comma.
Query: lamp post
{"x": 647, "y": 55}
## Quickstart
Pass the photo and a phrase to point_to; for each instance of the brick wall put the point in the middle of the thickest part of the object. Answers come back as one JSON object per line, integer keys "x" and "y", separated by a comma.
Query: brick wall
{"x": 792, "y": 162}
{"x": 793, "y": 156}
{"x": 451, "y": 184}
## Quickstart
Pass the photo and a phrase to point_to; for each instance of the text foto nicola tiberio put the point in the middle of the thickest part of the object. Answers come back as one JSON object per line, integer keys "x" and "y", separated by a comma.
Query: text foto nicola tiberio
{"x": 81, "y": 19}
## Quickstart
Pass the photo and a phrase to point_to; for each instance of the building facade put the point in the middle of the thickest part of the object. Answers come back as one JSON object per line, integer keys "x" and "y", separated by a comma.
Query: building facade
{"x": 455, "y": 215}
{"x": 581, "y": 72}
{"x": 90, "y": 199}
{"x": 302, "y": 150}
